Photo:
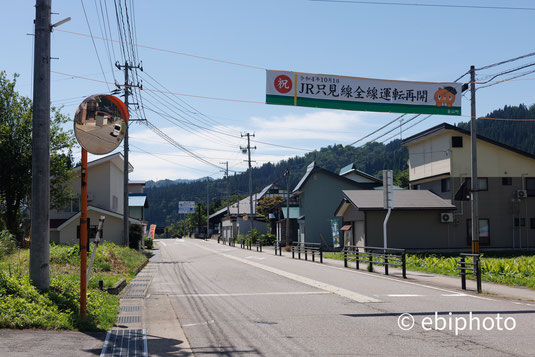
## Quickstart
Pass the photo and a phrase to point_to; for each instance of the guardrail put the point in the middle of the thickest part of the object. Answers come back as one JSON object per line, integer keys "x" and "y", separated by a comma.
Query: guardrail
{"x": 470, "y": 268}
{"x": 312, "y": 248}
{"x": 383, "y": 256}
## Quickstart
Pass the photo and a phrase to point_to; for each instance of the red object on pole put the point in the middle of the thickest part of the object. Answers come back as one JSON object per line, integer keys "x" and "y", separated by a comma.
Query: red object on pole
{"x": 83, "y": 237}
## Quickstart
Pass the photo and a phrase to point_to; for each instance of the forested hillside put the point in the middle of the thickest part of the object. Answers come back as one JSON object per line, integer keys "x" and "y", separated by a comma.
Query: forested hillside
{"x": 519, "y": 134}
{"x": 370, "y": 158}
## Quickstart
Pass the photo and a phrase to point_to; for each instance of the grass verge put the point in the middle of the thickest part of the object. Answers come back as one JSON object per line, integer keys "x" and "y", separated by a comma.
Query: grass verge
{"x": 24, "y": 306}
{"x": 508, "y": 269}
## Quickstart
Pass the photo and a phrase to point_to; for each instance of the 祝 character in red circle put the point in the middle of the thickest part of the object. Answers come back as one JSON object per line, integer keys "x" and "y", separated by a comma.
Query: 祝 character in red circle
{"x": 283, "y": 84}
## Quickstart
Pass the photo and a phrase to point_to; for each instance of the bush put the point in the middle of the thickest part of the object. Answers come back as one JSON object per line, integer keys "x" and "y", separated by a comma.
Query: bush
{"x": 135, "y": 235}
{"x": 7, "y": 243}
{"x": 149, "y": 243}
{"x": 268, "y": 239}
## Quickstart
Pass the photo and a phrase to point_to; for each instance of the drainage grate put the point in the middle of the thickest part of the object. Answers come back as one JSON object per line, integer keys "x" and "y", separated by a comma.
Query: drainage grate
{"x": 125, "y": 343}
{"x": 128, "y": 319}
{"x": 129, "y": 308}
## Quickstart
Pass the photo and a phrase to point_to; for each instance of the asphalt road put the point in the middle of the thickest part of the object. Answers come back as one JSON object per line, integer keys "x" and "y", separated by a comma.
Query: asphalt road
{"x": 231, "y": 301}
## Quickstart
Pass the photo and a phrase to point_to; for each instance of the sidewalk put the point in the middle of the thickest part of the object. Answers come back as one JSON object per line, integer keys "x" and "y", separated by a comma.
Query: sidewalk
{"x": 437, "y": 280}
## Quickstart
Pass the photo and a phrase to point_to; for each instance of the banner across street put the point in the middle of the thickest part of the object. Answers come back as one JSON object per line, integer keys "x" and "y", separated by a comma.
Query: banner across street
{"x": 364, "y": 94}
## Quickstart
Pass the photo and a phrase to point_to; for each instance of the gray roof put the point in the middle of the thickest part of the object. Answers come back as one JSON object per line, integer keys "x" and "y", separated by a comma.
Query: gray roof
{"x": 403, "y": 199}
{"x": 244, "y": 204}
{"x": 137, "y": 200}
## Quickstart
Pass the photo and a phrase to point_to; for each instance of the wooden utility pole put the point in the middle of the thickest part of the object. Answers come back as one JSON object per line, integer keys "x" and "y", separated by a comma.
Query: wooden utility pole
{"x": 40, "y": 204}
{"x": 248, "y": 149}
{"x": 474, "y": 189}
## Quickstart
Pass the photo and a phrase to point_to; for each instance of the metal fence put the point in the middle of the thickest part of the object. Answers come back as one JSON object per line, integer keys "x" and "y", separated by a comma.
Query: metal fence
{"x": 470, "y": 268}
{"x": 307, "y": 248}
{"x": 375, "y": 255}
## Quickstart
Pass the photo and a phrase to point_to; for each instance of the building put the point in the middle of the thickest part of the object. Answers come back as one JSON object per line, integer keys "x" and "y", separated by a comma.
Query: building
{"x": 319, "y": 193}
{"x": 416, "y": 221}
{"x": 105, "y": 194}
{"x": 440, "y": 161}
{"x": 237, "y": 220}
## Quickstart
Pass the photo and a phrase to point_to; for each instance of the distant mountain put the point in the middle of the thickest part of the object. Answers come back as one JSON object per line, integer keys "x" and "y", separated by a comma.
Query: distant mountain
{"x": 167, "y": 182}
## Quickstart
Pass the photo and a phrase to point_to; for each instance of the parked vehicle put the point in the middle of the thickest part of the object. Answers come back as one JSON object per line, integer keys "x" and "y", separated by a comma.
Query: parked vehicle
{"x": 116, "y": 130}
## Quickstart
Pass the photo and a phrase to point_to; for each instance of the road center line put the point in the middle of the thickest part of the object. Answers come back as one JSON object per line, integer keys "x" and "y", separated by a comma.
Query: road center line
{"x": 314, "y": 283}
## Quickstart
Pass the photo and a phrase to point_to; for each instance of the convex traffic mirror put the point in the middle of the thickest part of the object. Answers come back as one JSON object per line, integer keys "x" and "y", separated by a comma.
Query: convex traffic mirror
{"x": 100, "y": 123}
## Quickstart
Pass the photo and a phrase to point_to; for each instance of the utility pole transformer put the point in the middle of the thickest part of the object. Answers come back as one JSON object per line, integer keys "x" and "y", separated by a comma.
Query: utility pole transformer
{"x": 127, "y": 67}
{"x": 474, "y": 189}
{"x": 40, "y": 205}
{"x": 248, "y": 149}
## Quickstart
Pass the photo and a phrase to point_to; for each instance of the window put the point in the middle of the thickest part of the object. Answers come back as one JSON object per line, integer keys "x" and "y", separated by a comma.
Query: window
{"x": 456, "y": 141}
{"x": 507, "y": 181}
{"x": 482, "y": 181}
{"x": 520, "y": 222}
{"x": 445, "y": 185}
{"x": 484, "y": 231}
{"x": 530, "y": 186}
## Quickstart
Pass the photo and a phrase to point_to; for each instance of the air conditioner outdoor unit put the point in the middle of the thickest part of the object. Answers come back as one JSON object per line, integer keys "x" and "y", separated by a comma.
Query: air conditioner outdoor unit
{"x": 521, "y": 193}
{"x": 446, "y": 217}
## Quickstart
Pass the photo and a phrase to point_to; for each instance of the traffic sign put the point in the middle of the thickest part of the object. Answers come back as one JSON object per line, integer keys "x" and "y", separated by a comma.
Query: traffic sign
{"x": 186, "y": 207}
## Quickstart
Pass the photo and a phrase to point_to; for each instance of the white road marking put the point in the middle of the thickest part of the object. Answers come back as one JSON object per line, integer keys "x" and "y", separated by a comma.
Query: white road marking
{"x": 253, "y": 257}
{"x": 404, "y": 295}
{"x": 314, "y": 283}
{"x": 454, "y": 295}
{"x": 248, "y": 294}
{"x": 199, "y": 324}
{"x": 162, "y": 243}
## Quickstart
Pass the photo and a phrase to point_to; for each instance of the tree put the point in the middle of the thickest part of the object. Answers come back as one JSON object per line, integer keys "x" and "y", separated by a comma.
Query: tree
{"x": 267, "y": 203}
{"x": 16, "y": 156}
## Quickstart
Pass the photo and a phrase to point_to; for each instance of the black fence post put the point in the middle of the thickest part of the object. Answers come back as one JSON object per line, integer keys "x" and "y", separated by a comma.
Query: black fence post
{"x": 345, "y": 259}
{"x": 370, "y": 258}
{"x": 293, "y": 252}
{"x": 385, "y": 258}
{"x": 321, "y": 254}
{"x": 357, "y": 259}
{"x": 478, "y": 273}
{"x": 463, "y": 276}
{"x": 404, "y": 265}
{"x": 299, "y": 253}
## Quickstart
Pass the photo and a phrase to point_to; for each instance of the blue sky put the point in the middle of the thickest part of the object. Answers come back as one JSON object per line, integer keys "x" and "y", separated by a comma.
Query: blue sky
{"x": 375, "y": 41}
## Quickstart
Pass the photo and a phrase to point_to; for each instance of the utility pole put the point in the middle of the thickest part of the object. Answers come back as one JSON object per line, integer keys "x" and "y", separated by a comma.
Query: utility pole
{"x": 287, "y": 174}
{"x": 228, "y": 188}
{"x": 474, "y": 190}
{"x": 248, "y": 149}
{"x": 40, "y": 206}
{"x": 207, "y": 206}
{"x": 127, "y": 91}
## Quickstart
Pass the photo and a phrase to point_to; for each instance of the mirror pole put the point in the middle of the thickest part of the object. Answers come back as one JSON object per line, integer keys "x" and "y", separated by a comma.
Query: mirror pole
{"x": 83, "y": 236}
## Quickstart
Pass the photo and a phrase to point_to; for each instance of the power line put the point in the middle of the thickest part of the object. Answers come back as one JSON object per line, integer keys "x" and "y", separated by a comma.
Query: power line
{"x": 94, "y": 45}
{"x": 427, "y": 5}
{"x": 506, "y": 61}
{"x": 167, "y": 51}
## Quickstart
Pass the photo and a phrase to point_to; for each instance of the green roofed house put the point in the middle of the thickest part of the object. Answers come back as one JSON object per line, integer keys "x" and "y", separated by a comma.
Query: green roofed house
{"x": 319, "y": 193}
